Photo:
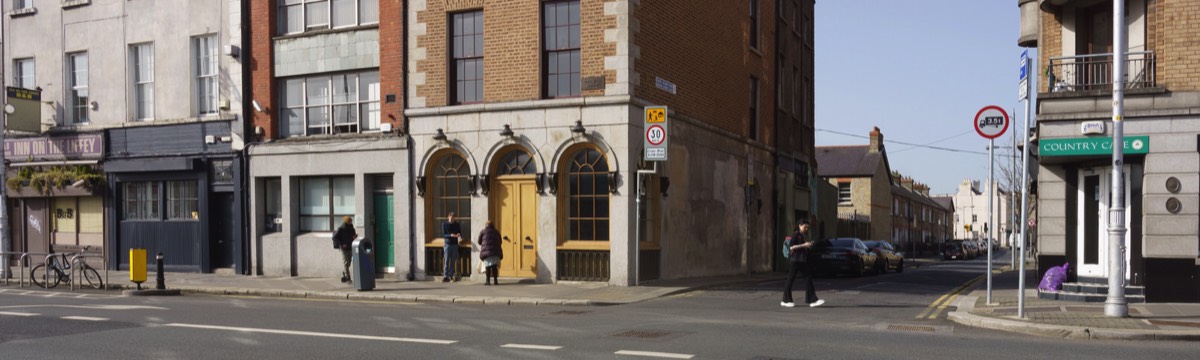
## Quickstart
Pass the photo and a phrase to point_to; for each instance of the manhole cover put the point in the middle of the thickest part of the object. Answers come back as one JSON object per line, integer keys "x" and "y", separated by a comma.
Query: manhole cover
{"x": 570, "y": 312}
{"x": 643, "y": 334}
{"x": 910, "y": 328}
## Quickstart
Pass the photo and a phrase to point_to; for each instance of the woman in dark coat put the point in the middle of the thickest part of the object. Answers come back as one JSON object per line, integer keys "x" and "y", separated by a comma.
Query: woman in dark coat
{"x": 490, "y": 253}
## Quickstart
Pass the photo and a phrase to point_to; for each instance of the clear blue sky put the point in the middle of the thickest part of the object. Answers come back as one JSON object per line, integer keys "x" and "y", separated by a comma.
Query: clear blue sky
{"x": 919, "y": 70}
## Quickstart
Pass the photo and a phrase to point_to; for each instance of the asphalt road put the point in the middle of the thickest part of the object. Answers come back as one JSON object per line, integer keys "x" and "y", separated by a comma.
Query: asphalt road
{"x": 872, "y": 317}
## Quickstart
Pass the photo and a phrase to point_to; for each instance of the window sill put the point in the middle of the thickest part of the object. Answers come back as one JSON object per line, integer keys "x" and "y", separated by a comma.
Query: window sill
{"x": 584, "y": 245}
{"x": 325, "y": 31}
{"x": 75, "y": 3}
{"x": 15, "y": 13}
{"x": 754, "y": 49}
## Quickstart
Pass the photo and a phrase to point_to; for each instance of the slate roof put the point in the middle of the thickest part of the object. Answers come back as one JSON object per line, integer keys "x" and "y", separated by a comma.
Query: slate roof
{"x": 847, "y": 161}
{"x": 947, "y": 202}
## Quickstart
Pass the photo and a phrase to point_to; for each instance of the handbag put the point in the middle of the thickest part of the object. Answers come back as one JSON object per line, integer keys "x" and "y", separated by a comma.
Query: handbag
{"x": 482, "y": 267}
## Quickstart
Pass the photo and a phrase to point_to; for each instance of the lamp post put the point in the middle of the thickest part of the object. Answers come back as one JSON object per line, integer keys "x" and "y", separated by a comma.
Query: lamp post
{"x": 1115, "y": 305}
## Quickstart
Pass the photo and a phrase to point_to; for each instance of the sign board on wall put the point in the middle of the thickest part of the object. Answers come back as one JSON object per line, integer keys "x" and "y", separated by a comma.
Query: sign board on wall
{"x": 1091, "y": 146}
{"x": 26, "y": 109}
{"x": 656, "y": 130}
{"x": 43, "y": 148}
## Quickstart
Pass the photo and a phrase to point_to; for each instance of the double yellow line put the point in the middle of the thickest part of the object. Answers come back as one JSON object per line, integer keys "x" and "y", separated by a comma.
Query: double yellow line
{"x": 943, "y": 302}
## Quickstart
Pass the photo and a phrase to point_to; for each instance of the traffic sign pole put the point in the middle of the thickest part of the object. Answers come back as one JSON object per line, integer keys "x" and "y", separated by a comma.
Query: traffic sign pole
{"x": 991, "y": 122}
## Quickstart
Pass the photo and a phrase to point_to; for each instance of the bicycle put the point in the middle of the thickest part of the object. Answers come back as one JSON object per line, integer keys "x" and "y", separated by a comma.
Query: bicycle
{"x": 62, "y": 273}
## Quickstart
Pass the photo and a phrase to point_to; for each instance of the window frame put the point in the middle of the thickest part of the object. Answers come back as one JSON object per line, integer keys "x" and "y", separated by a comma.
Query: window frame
{"x": 206, "y": 91}
{"x": 137, "y": 82}
{"x": 601, "y": 217}
{"x": 365, "y": 105}
{"x": 457, "y": 55}
{"x": 552, "y": 74}
{"x": 754, "y": 42}
{"x": 333, "y": 218}
{"x": 78, "y": 105}
{"x": 448, "y": 168}
{"x": 181, "y": 204}
{"x": 22, "y": 4}
{"x": 141, "y": 201}
{"x": 19, "y": 79}
{"x": 752, "y": 121}
{"x": 364, "y": 12}
{"x": 845, "y": 197}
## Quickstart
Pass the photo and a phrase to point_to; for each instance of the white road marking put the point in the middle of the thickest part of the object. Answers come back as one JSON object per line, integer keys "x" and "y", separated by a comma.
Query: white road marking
{"x": 93, "y": 307}
{"x": 311, "y": 333}
{"x": 654, "y": 354}
{"x": 84, "y": 318}
{"x": 10, "y": 313}
{"x": 533, "y": 347}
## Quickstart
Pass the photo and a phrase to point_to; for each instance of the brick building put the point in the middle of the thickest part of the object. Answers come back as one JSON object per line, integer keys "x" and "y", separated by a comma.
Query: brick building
{"x": 530, "y": 114}
{"x": 1161, "y": 164}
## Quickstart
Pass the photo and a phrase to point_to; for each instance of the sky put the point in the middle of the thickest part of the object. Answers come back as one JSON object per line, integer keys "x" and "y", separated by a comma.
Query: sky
{"x": 919, "y": 70}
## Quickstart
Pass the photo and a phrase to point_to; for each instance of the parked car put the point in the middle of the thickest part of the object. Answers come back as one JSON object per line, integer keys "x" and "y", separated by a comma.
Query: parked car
{"x": 954, "y": 249}
{"x": 972, "y": 248}
{"x": 886, "y": 255}
{"x": 846, "y": 256}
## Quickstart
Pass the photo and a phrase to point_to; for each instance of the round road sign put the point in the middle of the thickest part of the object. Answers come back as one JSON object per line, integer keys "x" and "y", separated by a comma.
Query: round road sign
{"x": 655, "y": 134}
{"x": 991, "y": 122}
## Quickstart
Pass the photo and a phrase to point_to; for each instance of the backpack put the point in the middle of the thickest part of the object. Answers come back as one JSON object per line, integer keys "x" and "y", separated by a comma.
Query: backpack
{"x": 787, "y": 245}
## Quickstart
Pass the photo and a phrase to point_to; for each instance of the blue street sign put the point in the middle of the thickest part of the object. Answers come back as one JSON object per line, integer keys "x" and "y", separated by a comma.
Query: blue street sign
{"x": 1024, "y": 71}
{"x": 1024, "y": 64}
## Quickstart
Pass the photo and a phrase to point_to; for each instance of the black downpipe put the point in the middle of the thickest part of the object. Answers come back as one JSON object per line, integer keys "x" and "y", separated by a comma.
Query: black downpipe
{"x": 776, "y": 146}
{"x": 242, "y": 265}
{"x": 412, "y": 202}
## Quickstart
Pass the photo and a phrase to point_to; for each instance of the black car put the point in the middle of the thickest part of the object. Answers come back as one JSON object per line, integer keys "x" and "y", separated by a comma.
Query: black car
{"x": 955, "y": 249}
{"x": 846, "y": 256}
{"x": 886, "y": 256}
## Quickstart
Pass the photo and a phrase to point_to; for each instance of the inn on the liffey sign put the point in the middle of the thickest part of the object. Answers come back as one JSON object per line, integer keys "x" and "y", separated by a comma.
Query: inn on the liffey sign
{"x": 1091, "y": 146}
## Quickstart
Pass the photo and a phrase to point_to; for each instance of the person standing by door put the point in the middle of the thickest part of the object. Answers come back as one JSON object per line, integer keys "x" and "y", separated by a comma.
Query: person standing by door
{"x": 342, "y": 240}
{"x": 490, "y": 253}
{"x": 799, "y": 259}
{"x": 451, "y": 234}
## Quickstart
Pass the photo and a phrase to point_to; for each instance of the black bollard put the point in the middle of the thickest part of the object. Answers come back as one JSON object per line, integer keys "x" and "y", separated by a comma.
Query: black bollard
{"x": 162, "y": 285}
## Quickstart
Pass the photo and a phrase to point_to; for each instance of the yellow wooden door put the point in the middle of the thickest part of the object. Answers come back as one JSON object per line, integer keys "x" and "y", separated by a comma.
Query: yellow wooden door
{"x": 516, "y": 220}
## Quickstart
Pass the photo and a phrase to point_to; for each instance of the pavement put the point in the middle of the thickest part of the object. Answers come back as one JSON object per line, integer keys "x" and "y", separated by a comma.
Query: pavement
{"x": 1050, "y": 318}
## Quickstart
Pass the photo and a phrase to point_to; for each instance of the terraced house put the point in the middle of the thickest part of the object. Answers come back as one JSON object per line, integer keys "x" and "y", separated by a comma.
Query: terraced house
{"x": 1161, "y": 164}
{"x": 531, "y": 114}
{"x": 136, "y": 129}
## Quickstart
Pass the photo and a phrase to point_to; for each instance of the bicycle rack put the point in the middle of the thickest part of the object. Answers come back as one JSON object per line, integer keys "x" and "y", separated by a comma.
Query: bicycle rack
{"x": 80, "y": 257}
{"x": 24, "y": 260}
{"x": 8, "y": 271}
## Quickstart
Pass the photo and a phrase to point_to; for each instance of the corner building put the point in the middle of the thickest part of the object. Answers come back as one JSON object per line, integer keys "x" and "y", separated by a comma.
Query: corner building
{"x": 1161, "y": 128}
{"x": 530, "y": 114}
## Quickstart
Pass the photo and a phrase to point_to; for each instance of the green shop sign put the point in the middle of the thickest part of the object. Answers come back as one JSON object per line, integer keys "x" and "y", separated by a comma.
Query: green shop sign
{"x": 1091, "y": 146}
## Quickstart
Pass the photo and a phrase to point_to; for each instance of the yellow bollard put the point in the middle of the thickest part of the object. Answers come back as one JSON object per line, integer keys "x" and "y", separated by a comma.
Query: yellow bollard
{"x": 137, "y": 266}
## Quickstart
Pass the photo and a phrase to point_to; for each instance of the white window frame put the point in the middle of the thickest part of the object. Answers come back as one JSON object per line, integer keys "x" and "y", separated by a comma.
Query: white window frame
{"x": 77, "y": 95}
{"x": 365, "y": 103}
{"x": 848, "y": 197}
{"x": 205, "y": 84}
{"x": 22, "y": 4}
{"x": 361, "y": 12}
{"x": 141, "y": 81}
{"x": 19, "y": 77}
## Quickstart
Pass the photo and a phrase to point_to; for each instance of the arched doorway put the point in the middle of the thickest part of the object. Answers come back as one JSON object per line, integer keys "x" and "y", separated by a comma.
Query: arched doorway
{"x": 514, "y": 212}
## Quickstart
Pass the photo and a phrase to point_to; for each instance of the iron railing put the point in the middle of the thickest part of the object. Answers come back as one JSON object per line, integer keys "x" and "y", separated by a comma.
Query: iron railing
{"x": 1094, "y": 72}
{"x": 583, "y": 265}
{"x": 435, "y": 261}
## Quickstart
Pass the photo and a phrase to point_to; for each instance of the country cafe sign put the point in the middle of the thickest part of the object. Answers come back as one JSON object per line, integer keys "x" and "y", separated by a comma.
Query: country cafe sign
{"x": 74, "y": 147}
{"x": 1091, "y": 146}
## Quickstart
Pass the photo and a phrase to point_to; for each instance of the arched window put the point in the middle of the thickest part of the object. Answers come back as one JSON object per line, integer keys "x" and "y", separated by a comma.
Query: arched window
{"x": 516, "y": 163}
{"x": 587, "y": 199}
{"x": 451, "y": 179}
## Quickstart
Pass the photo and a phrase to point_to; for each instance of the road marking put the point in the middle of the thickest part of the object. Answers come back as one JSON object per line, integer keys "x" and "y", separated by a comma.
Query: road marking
{"x": 311, "y": 333}
{"x": 92, "y": 307}
{"x": 397, "y": 302}
{"x": 10, "y": 313}
{"x": 654, "y": 354}
{"x": 934, "y": 309}
{"x": 533, "y": 347}
{"x": 84, "y": 318}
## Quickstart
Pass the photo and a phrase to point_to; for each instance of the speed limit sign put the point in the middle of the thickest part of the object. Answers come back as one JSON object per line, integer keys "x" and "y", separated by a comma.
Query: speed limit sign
{"x": 655, "y": 144}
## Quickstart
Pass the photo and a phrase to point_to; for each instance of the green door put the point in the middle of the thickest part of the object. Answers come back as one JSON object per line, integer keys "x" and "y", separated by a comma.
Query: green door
{"x": 385, "y": 258}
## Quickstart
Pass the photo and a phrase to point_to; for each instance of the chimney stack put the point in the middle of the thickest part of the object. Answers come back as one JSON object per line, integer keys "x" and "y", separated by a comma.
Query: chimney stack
{"x": 876, "y": 141}
{"x": 907, "y": 182}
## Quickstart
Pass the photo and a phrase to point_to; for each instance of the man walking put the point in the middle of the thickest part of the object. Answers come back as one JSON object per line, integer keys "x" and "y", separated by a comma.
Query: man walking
{"x": 342, "y": 239}
{"x": 451, "y": 234}
{"x": 799, "y": 260}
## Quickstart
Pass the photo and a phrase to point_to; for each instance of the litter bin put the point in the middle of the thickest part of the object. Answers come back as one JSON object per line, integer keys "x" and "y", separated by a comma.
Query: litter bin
{"x": 363, "y": 265}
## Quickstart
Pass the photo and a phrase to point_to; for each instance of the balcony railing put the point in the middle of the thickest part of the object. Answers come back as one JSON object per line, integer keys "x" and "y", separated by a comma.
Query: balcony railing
{"x": 1094, "y": 72}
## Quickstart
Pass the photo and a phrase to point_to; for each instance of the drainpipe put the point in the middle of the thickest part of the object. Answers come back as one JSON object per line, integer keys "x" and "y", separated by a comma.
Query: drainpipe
{"x": 412, "y": 202}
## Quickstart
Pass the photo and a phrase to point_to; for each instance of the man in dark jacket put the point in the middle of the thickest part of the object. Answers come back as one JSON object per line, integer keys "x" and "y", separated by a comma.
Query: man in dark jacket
{"x": 451, "y": 235}
{"x": 490, "y": 253}
{"x": 342, "y": 239}
{"x": 799, "y": 260}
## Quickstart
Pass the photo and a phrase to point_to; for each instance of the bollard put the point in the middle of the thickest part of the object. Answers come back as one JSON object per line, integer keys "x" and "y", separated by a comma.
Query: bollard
{"x": 161, "y": 285}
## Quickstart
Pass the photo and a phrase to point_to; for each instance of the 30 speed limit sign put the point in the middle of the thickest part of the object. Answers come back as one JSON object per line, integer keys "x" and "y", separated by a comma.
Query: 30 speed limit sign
{"x": 656, "y": 126}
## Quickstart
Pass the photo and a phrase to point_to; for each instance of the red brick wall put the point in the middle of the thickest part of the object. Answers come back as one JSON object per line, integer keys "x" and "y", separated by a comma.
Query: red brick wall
{"x": 1175, "y": 33}
{"x": 391, "y": 61}
{"x": 705, "y": 51}
{"x": 512, "y": 48}
{"x": 262, "y": 27}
